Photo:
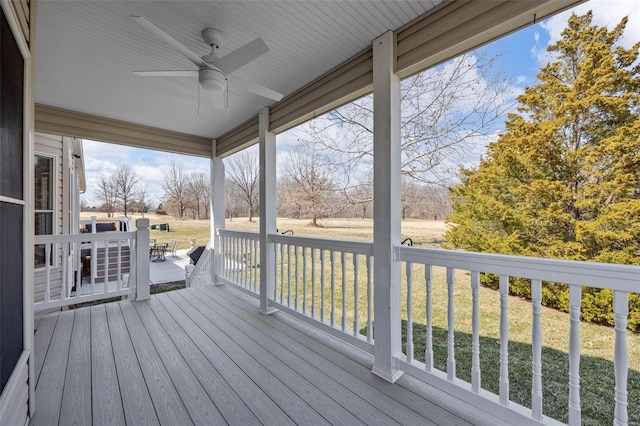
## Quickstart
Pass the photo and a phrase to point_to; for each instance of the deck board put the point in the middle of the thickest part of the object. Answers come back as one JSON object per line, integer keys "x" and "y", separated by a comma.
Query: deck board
{"x": 231, "y": 406}
{"x": 166, "y": 401}
{"x": 254, "y": 397}
{"x": 105, "y": 391}
{"x": 136, "y": 401}
{"x": 295, "y": 407}
{"x": 196, "y": 401}
{"x": 311, "y": 367}
{"x": 76, "y": 397}
{"x": 206, "y": 356}
{"x": 385, "y": 395}
{"x": 385, "y": 411}
{"x": 42, "y": 339}
{"x": 50, "y": 385}
{"x": 308, "y": 390}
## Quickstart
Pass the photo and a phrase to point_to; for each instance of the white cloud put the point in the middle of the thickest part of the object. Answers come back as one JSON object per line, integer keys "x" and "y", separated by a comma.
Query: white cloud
{"x": 102, "y": 159}
{"x": 605, "y": 12}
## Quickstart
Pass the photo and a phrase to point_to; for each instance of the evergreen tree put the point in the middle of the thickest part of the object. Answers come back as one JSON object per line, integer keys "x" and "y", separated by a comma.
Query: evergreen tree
{"x": 563, "y": 180}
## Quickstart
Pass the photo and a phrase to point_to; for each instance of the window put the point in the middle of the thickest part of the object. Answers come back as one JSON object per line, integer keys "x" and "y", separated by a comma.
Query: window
{"x": 44, "y": 217}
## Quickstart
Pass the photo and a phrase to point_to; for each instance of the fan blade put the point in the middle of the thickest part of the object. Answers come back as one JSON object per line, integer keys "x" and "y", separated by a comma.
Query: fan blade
{"x": 170, "y": 40}
{"x": 244, "y": 84}
{"x": 242, "y": 56}
{"x": 218, "y": 100}
{"x": 167, "y": 73}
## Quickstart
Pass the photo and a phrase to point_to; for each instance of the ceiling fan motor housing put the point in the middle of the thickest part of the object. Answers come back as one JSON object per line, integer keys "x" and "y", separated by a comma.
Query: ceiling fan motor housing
{"x": 212, "y": 80}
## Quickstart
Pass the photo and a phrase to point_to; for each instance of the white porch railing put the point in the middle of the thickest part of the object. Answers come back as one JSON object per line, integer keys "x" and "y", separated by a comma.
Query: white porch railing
{"x": 329, "y": 282}
{"x": 240, "y": 252}
{"x": 619, "y": 278}
{"x": 201, "y": 273}
{"x": 92, "y": 266}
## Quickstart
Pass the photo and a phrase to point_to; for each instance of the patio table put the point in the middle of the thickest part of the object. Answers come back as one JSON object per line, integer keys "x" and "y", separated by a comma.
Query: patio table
{"x": 158, "y": 250}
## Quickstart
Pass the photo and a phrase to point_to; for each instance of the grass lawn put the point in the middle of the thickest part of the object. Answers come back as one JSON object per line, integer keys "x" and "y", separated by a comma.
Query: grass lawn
{"x": 597, "y": 375}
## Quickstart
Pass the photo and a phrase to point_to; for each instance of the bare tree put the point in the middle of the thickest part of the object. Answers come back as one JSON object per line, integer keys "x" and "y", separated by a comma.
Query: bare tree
{"x": 125, "y": 182}
{"x": 243, "y": 171}
{"x": 175, "y": 185}
{"x": 198, "y": 188}
{"x": 143, "y": 198}
{"x": 309, "y": 184}
{"x": 448, "y": 112}
{"x": 107, "y": 195}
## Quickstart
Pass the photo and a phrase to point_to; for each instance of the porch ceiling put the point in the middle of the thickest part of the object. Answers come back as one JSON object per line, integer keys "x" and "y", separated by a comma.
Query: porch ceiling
{"x": 86, "y": 52}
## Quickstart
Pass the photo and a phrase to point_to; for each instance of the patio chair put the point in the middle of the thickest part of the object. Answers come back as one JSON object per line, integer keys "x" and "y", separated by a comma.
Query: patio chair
{"x": 173, "y": 247}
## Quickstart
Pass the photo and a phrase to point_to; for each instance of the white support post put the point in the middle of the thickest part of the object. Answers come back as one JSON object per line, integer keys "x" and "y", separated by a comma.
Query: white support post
{"x": 386, "y": 200}
{"x": 267, "y": 142}
{"x": 217, "y": 208}
{"x": 142, "y": 259}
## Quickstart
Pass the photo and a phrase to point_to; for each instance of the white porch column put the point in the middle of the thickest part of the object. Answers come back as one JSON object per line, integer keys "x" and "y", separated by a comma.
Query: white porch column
{"x": 267, "y": 142}
{"x": 142, "y": 259}
{"x": 386, "y": 207}
{"x": 217, "y": 205}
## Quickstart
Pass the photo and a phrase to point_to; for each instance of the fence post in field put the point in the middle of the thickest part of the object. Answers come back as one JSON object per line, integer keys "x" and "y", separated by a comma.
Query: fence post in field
{"x": 142, "y": 259}
{"x": 267, "y": 210}
{"x": 386, "y": 205}
{"x": 217, "y": 209}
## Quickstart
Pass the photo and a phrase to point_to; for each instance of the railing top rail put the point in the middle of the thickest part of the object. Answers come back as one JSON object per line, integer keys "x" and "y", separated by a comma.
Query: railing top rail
{"x": 241, "y": 234}
{"x": 83, "y": 238}
{"x": 600, "y": 275}
{"x": 356, "y": 247}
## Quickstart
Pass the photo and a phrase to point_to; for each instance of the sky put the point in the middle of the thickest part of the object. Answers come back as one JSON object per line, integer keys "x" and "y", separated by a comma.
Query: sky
{"x": 521, "y": 56}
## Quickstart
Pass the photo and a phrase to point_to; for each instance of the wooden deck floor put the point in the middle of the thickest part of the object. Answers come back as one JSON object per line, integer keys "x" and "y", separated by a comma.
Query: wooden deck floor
{"x": 206, "y": 356}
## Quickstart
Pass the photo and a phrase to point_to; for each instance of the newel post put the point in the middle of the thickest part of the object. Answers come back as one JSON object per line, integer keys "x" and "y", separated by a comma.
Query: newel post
{"x": 267, "y": 155}
{"x": 217, "y": 208}
{"x": 386, "y": 207}
{"x": 142, "y": 259}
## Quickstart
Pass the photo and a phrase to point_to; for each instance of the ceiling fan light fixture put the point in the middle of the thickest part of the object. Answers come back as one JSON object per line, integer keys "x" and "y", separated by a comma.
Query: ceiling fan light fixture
{"x": 212, "y": 80}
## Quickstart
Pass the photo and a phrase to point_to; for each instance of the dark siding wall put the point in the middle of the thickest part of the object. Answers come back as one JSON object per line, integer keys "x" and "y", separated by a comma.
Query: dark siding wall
{"x": 11, "y": 215}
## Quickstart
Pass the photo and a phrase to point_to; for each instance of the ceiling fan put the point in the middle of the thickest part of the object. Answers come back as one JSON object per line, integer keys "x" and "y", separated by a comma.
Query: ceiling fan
{"x": 215, "y": 75}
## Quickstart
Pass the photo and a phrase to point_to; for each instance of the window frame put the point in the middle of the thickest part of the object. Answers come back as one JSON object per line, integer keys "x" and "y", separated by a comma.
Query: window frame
{"x": 53, "y": 210}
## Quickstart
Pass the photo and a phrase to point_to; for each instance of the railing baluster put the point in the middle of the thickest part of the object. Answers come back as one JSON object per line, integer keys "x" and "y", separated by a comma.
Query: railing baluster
{"x": 106, "y": 268}
{"x": 295, "y": 251}
{"x": 621, "y": 357}
{"x": 119, "y": 265}
{"x": 332, "y": 259}
{"x": 356, "y": 305}
{"x": 47, "y": 272}
{"x": 369, "y": 301}
{"x": 246, "y": 256}
{"x": 575, "y": 296}
{"x": 451, "y": 351}
{"x": 282, "y": 273}
{"x": 65, "y": 271}
{"x": 536, "y": 343}
{"x": 428, "y": 350}
{"x": 304, "y": 280}
{"x": 343, "y": 262}
{"x": 322, "y": 301}
{"x": 78, "y": 281}
{"x": 313, "y": 282}
{"x": 275, "y": 269}
{"x": 504, "y": 339}
{"x": 289, "y": 275}
{"x": 475, "y": 325}
{"x": 409, "y": 347}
